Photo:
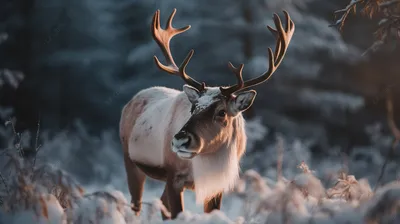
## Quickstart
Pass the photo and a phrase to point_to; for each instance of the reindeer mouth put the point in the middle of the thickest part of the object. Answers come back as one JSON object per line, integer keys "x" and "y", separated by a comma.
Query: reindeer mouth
{"x": 186, "y": 155}
{"x": 181, "y": 148}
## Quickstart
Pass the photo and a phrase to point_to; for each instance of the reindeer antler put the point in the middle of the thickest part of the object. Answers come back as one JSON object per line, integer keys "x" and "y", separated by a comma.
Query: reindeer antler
{"x": 283, "y": 38}
{"x": 163, "y": 37}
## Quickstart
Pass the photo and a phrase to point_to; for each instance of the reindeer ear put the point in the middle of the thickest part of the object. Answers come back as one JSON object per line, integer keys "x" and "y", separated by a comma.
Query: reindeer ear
{"x": 191, "y": 92}
{"x": 242, "y": 101}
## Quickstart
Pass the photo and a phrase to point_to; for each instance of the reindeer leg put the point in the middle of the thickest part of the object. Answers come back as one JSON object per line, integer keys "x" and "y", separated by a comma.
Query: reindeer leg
{"x": 214, "y": 203}
{"x": 175, "y": 197}
{"x": 136, "y": 179}
{"x": 164, "y": 199}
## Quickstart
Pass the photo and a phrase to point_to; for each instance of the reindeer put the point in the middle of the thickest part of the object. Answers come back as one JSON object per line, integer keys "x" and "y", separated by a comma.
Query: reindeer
{"x": 191, "y": 139}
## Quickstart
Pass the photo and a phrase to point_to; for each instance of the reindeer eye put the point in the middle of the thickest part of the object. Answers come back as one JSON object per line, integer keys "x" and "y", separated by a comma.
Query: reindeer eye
{"x": 221, "y": 113}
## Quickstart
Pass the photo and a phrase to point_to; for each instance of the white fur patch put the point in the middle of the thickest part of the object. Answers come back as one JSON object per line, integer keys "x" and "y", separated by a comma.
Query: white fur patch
{"x": 146, "y": 143}
{"x": 207, "y": 98}
{"x": 215, "y": 173}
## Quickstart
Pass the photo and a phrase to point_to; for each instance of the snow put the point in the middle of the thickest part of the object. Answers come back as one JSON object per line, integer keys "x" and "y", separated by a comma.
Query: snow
{"x": 304, "y": 194}
{"x": 48, "y": 206}
{"x": 207, "y": 98}
{"x": 300, "y": 200}
{"x": 301, "y": 196}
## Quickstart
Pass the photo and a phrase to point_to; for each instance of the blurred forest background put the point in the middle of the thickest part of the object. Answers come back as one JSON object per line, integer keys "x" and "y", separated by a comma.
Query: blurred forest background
{"x": 84, "y": 59}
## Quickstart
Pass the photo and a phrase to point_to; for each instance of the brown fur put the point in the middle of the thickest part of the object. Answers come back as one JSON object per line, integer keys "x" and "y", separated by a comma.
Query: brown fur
{"x": 215, "y": 132}
{"x": 135, "y": 176}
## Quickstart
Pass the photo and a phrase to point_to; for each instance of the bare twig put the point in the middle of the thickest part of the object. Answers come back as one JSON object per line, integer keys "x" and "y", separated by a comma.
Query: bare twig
{"x": 351, "y": 6}
{"x": 373, "y": 48}
{"x": 387, "y": 158}
{"x": 279, "y": 158}
{"x": 37, "y": 134}
{"x": 37, "y": 147}
{"x": 396, "y": 133}
{"x": 4, "y": 183}
{"x": 345, "y": 162}
{"x": 17, "y": 135}
{"x": 389, "y": 3}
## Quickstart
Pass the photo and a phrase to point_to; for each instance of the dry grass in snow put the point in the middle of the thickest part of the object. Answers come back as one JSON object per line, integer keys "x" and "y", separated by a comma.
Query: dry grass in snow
{"x": 33, "y": 193}
{"x": 47, "y": 195}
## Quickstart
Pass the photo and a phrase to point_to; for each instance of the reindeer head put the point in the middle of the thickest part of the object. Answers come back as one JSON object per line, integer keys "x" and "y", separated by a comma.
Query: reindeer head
{"x": 214, "y": 109}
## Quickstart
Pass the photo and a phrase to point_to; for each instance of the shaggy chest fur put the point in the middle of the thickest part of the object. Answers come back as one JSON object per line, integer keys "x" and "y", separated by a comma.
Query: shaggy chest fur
{"x": 207, "y": 175}
{"x": 215, "y": 173}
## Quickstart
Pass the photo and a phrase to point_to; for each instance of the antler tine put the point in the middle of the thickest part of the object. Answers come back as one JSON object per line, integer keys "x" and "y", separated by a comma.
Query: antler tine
{"x": 163, "y": 38}
{"x": 283, "y": 37}
{"x": 238, "y": 73}
{"x": 282, "y": 42}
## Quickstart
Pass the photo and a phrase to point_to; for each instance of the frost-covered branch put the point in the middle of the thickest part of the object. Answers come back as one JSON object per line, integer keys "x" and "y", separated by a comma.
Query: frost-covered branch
{"x": 389, "y": 23}
{"x": 37, "y": 146}
{"x": 345, "y": 12}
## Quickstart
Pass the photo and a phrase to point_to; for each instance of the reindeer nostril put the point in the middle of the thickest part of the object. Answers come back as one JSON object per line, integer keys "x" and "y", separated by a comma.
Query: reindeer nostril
{"x": 185, "y": 137}
{"x": 189, "y": 139}
{"x": 181, "y": 134}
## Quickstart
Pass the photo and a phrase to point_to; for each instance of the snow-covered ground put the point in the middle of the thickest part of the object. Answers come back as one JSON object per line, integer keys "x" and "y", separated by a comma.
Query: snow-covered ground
{"x": 302, "y": 195}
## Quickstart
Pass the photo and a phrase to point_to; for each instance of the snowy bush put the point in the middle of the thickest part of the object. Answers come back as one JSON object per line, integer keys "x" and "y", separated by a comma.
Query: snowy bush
{"x": 302, "y": 199}
{"x": 284, "y": 189}
{"x": 46, "y": 194}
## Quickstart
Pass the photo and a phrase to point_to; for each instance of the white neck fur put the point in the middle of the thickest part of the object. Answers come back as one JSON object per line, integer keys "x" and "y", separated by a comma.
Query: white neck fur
{"x": 215, "y": 173}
